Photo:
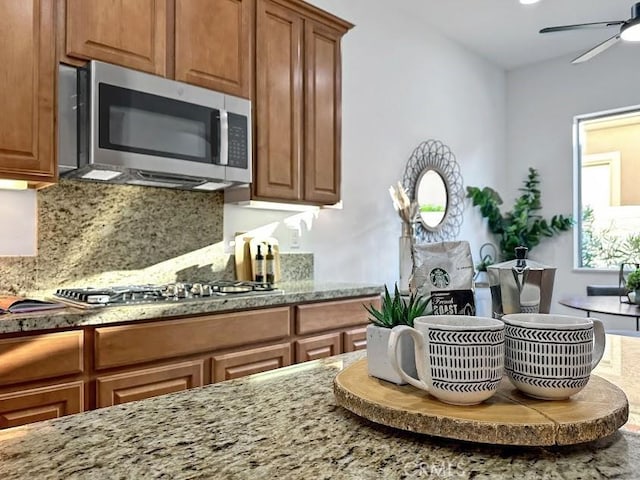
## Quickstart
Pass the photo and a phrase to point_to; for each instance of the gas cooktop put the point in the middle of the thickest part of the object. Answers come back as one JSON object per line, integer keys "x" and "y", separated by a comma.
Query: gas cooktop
{"x": 91, "y": 297}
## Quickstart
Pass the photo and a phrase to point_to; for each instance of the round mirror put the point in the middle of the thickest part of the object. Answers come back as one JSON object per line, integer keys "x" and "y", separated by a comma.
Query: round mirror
{"x": 432, "y": 198}
{"x": 432, "y": 179}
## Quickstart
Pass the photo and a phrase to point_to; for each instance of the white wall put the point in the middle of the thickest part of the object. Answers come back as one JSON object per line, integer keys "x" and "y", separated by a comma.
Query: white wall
{"x": 542, "y": 100}
{"x": 402, "y": 84}
{"x": 19, "y": 217}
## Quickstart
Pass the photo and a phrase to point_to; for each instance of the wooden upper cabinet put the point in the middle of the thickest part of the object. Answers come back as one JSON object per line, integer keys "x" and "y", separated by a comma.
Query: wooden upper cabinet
{"x": 279, "y": 90}
{"x": 27, "y": 70}
{"x": 322, "y": 114}
{"x": 298, "y": 103}
{"x": 130, "y": 33}
{"x": 213, "y": 44}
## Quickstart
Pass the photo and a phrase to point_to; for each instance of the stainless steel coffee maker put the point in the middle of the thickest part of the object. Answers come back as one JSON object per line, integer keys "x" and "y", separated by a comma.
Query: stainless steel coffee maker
{"x": 520, "y": 285}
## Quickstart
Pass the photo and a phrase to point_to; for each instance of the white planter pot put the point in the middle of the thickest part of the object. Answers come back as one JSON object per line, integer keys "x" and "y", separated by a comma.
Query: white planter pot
{"x": 378, "y": 360}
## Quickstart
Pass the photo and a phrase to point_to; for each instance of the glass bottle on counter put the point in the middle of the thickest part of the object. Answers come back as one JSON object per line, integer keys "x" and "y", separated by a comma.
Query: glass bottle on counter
{"x": 259, "y": 276}
{"x": 269, "y": 267}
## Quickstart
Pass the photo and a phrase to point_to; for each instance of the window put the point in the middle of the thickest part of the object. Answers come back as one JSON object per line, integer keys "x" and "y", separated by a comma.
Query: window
{"x": 608, "y": 196}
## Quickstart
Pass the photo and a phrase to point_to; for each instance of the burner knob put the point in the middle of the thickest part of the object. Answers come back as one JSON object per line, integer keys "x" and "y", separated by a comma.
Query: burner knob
{"x": 196, "y": 289}
{"x": 181, "y": 290}
{"x": 171, "y": 290}
{"x": 206, "y": 290}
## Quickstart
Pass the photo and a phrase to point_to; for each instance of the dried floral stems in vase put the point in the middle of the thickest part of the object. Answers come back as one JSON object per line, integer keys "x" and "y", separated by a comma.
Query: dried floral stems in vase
{"x": 407, "y": 209}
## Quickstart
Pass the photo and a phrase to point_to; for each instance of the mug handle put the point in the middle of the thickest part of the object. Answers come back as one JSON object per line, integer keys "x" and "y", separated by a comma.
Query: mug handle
{"x": 392, "y": 352}
{"x": 599, "y": 341}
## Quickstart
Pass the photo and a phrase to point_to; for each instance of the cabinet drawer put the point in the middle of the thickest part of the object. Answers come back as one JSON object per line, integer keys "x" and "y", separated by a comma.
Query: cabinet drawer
{"x": 255, "y": 360}
{"x": 28, "y": 406}
{"x": 40, "y": 356}
{"x": 320, "y": 346}
{"x": 131, "y": 344}
{"x": 147, "y": 383}
{"x": 317, "y": 317}
{"x": 355, "y": 339}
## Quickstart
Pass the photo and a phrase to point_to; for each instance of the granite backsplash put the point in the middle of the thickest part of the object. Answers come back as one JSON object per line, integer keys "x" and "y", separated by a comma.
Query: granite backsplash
{"x": 101, "y": 234}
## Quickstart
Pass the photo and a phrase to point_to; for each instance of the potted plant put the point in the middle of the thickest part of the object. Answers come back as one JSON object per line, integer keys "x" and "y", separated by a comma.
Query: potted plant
{"x": 522, "y": 226}
{"x": 633, "y": 286}
{"x": 394, "y": 311}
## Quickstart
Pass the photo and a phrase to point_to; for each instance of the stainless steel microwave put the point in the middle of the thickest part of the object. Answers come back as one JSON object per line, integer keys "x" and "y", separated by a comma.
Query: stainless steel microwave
{"x": 118, "y": 125}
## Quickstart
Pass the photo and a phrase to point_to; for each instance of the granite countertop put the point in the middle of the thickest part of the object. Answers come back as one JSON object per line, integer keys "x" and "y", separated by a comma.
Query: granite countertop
{"x": 294, "y": 292}
{"x": 285, "y": 424}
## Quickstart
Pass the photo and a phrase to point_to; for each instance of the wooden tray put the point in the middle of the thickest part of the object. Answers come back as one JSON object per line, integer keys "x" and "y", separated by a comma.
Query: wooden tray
{"x": 507, "y": 418}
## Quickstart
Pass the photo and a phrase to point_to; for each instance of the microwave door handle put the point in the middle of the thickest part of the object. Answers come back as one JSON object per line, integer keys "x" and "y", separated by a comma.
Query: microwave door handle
{"x": 224, "y": 137}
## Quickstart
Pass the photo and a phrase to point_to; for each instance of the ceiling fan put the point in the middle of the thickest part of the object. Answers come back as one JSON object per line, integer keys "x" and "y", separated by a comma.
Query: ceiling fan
{"x": 629, "y": 31}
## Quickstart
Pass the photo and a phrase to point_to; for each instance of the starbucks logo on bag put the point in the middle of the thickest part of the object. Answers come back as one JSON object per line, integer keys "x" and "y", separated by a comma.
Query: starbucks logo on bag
{"x": 439, "y": 278}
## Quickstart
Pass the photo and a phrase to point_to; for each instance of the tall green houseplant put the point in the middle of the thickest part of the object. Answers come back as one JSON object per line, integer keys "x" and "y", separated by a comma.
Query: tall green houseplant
{"x": 522, "y": 225}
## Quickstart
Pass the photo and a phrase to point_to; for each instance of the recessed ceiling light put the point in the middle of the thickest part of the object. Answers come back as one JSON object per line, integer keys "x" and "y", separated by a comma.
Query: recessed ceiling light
{"x": 528, "y": 2}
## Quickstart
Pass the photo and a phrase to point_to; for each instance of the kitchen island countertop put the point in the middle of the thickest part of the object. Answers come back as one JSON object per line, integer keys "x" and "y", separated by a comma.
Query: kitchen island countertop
{"x": 294, "y": 292}
{"x": 285, "y": 424}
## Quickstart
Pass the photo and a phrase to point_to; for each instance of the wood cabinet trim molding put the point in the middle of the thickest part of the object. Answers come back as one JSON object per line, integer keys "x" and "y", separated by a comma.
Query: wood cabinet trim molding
{"x": 312, "y": 12}
{"x": 36, "y": 357}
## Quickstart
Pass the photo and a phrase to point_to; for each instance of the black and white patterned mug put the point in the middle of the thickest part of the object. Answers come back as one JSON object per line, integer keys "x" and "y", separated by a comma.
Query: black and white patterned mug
{"x": 459, "y": 359}
{"x": 551, "y": 356}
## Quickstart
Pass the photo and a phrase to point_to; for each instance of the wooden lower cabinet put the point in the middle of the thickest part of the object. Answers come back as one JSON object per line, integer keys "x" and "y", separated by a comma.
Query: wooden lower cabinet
{"x": 126, "y": 345}
{"x": 354, "y": 339}
{"x": 319, "y": 346}
{"x": 44, "y": 403}
{"x": 323, "y": 316}
{"x": 45, "y": 376}
{"x": 150, "y": 382}
{"x": 247, "y": 362}
{"x": 33, "y": 357}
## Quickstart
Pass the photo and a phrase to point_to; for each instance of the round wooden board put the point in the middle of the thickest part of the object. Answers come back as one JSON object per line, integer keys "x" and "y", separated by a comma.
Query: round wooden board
{"x": 507, "y": 418}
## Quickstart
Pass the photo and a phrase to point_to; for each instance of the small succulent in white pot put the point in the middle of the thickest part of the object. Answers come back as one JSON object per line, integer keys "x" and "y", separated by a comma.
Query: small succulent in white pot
{"x": 394, "y": 311}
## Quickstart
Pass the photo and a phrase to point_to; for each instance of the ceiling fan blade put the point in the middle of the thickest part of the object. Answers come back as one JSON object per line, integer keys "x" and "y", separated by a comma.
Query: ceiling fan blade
{"x": 582, "y": 26}
{"x": 601, "y": 47}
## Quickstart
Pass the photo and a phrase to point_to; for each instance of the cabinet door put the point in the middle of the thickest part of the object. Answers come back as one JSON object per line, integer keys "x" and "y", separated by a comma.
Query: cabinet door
{"x": 34, "y": 357}
{"x": 322, "y": 316}
{"x": 320, "y": 346}
{"x": 129, "y": 344}
{"x": 150, "y": 382}
{"x": 355, "y": 339}
{"x": 278, "y": 103}
{"x": 213, "y": 44}
{"x": 28, "y": 406}
{"x": 322, "y": 114}
{"x": 27, "y": 68}
{"x": 255, "y": 360}
{"x": 130, "y": 33}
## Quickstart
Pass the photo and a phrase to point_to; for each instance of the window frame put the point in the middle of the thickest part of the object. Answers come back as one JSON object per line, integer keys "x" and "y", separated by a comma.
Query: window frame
{"x": 577, "y": 182}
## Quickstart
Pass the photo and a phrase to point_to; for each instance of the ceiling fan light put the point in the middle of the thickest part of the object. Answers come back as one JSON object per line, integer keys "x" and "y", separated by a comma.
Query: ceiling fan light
{"x": 631, "y": 33}
{"x": 528, "y": 2}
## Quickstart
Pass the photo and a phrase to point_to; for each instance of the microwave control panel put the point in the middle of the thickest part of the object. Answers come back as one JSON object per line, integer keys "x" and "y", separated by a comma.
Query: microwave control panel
{"x": 238, "y": 141}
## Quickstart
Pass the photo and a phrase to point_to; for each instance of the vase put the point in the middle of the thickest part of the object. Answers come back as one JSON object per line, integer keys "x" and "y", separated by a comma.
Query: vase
{"x": 378, "y": 362}
{"x": 405, "y": 258}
